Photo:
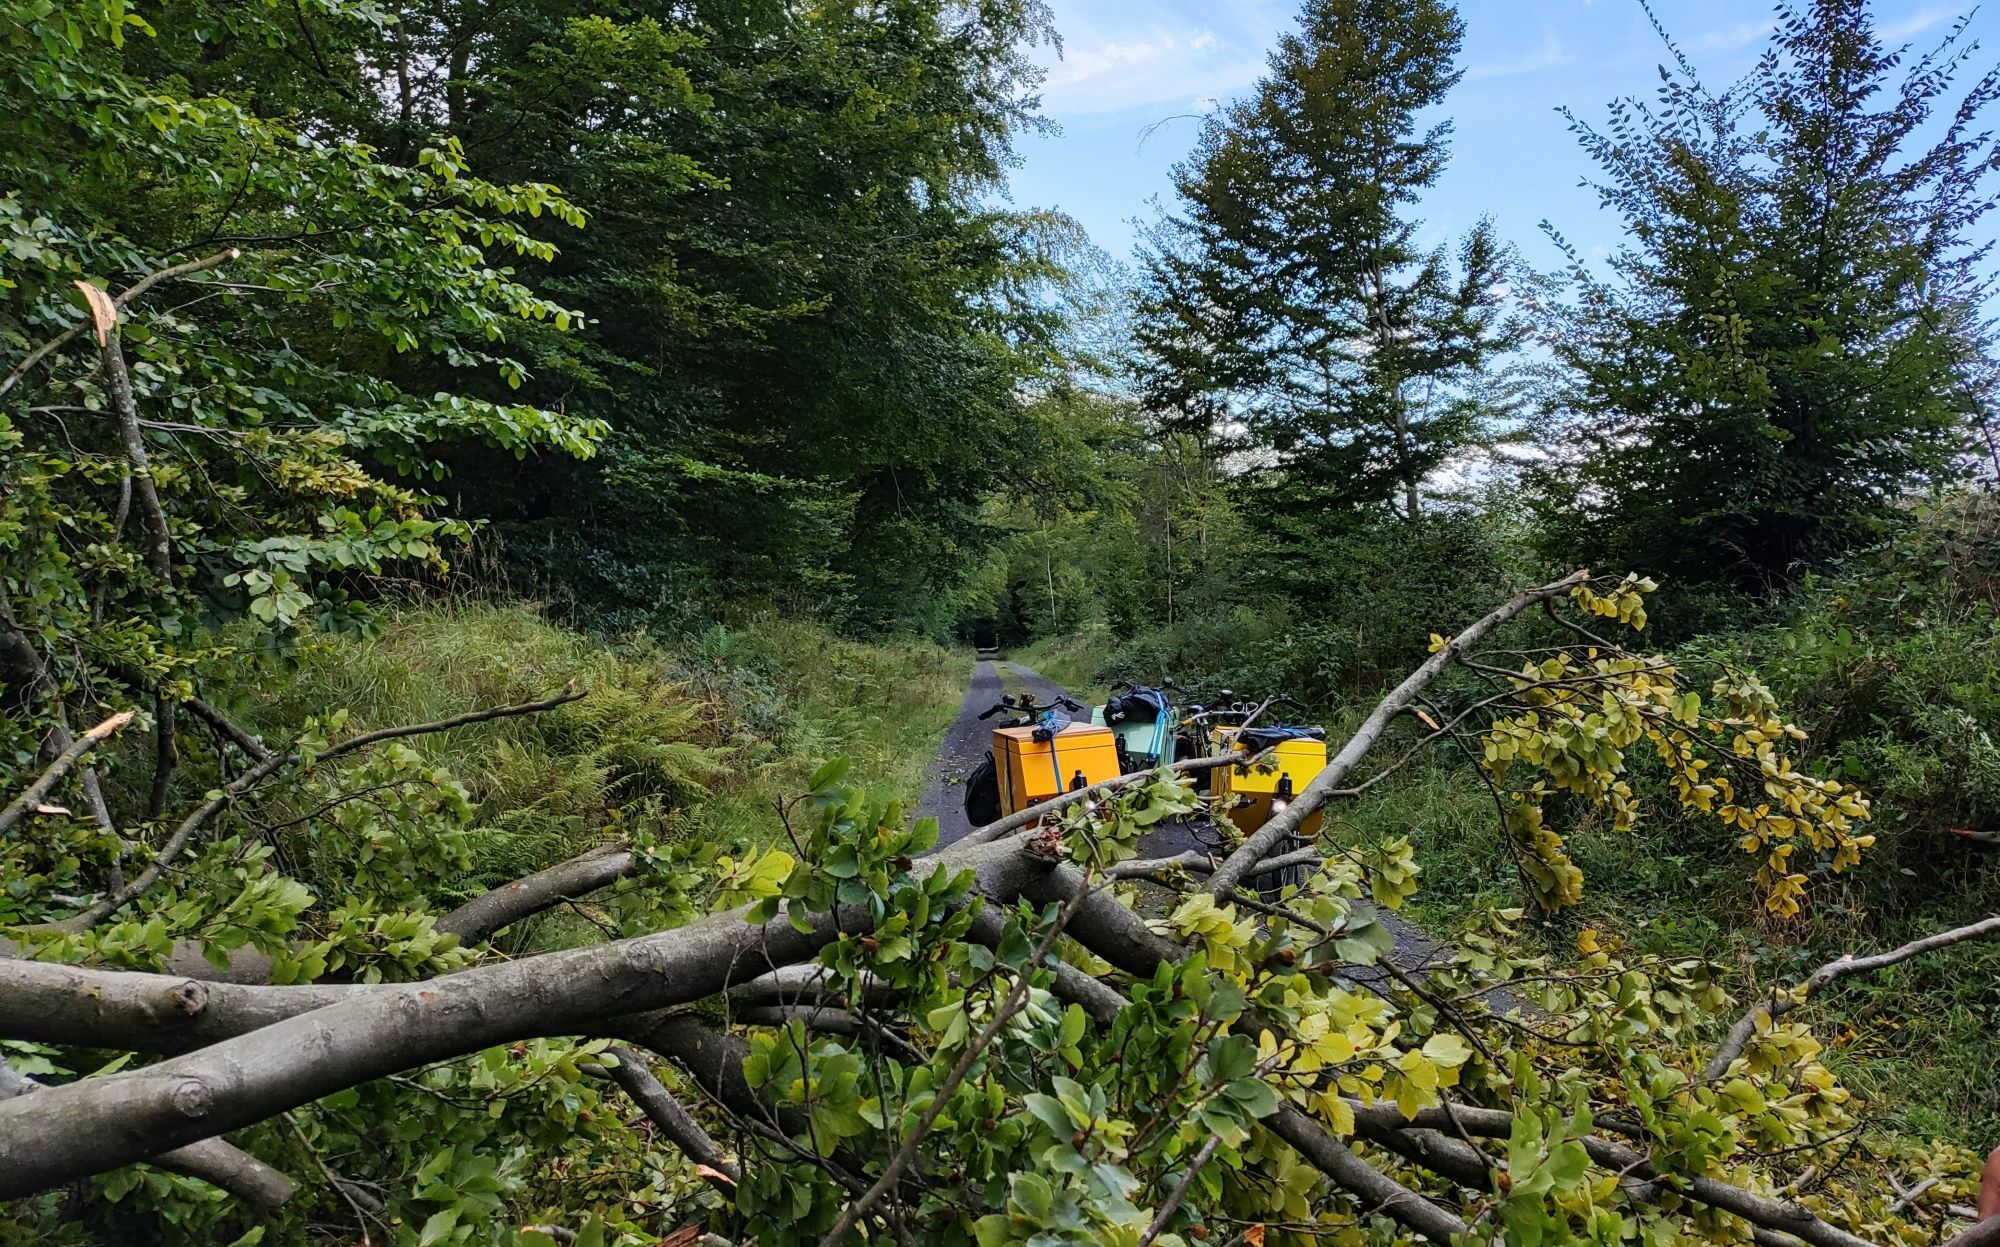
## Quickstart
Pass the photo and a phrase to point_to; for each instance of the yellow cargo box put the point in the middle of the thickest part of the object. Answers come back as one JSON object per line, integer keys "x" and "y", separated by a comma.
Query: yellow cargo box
{"x": 1032, "y": 771}
{"x": 1300, "y": 759}
{"x": 1255, "y": 787}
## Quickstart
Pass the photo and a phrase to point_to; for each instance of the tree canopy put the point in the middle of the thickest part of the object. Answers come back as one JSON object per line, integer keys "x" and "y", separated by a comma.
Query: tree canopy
{"x": 1792, "y": 338}
{"x": 320, "y": 316}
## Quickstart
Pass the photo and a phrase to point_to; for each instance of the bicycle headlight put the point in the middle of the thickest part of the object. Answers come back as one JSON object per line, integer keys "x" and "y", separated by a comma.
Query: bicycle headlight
{"x": 1282, "y": 798}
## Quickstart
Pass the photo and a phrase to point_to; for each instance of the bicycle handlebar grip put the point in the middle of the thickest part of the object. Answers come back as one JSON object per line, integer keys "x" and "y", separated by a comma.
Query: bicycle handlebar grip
{"x": 995, "y": 710}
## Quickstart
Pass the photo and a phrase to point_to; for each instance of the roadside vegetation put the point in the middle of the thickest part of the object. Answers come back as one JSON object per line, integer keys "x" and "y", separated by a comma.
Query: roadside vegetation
{"x": 340, "y": 905}
{"x": 705, "y": 733}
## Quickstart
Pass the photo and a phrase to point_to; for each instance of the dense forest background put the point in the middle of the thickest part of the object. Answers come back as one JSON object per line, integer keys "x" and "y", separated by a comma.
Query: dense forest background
{"x": 440, "y": 352}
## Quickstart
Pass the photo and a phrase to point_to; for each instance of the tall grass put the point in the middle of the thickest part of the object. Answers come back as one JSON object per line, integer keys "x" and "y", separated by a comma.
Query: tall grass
{"x": 1074, "y": 660}
{"x": 701, "y": 734}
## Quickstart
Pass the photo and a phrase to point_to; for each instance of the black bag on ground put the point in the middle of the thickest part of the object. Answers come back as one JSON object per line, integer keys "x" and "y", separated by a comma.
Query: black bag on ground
{"x": 982, "y": 793}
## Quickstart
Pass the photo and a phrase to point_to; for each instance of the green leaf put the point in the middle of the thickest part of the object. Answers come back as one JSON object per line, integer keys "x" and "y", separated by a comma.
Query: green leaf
{"x": 830, "y": 773}
{"x": 1254, "y": 1096}
{"x": 1033, "y": 1195}
{"x": 1049, "y": 1111}
{"x": 1074, "y": 1023}
{"x": 441, "y": 1223}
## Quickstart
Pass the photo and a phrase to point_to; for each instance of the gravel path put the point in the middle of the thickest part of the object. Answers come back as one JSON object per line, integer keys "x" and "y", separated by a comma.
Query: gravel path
{"x": 967, "y": 740}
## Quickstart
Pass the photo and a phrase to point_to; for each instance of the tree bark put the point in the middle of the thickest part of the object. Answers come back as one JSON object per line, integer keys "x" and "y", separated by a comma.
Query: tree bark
{"x": 478, "y": 919}
{"x": 213, "y": 1161}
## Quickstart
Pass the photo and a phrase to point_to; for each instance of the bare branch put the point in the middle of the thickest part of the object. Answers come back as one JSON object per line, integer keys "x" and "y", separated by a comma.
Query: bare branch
{"x": 1021, "y": 818}
{"x": 1166, "y": 1212}
{"x": 1762, "y": 1210}
{"x": 673, "y": 1119}
{"x": 192, "y": 825}
{"x": 1984, "y": 1234}
{"x": 1195, "y": 862}
{"x": 21, "y": 664}
{"x": 376, "y": 737}
{"x": 1239, "y": 864}
{"x": 118, "y": 384}
{"x": 478, "y": 919}
{"x": 1767, "y": 1011}
{"x": 132, "y": 292}
{"x": 1337, "y": 1161}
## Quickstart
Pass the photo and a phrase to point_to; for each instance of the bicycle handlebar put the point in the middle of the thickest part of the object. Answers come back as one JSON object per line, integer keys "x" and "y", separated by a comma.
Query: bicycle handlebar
{"x": 1026, "y": 705}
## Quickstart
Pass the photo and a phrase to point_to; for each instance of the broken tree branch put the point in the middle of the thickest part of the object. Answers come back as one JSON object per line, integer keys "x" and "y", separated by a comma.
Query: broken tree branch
{"x": 470, "y": 717}
{"x": 673, "y": 1119}
{"x": 1021, "y": 818}
{"x": 21, "y": 665}
{"x": 215, "y": 1162}
{"x": 1779, "y": 1004}
{"x": 384, "y": 1029}
{"x": 1166, "y": 1212}
{"x": 1238, "y": 866}
{"x": 479, "y": 918}
{"x": 1985, "y": 1234}
{"x": 30, "y": 798}
{"x": 191, "y": 826}
{"x": 222, "y": 723}
{"x": 132, "y": 292}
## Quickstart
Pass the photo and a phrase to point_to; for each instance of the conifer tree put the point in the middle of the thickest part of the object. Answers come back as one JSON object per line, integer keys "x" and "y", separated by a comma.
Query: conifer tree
{"x": 1790, "y": 341}
{"x": 1346, "y": 347}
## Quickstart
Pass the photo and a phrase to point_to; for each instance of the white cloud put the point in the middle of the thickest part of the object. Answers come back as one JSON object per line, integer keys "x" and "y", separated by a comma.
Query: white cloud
{"x": 1158, "y": 66}
{"x": 1118, "y": 56}
{"x": 1916, "y": 23}
{"x": 1551, "y": 55}
{"x": 1730, "y": 38}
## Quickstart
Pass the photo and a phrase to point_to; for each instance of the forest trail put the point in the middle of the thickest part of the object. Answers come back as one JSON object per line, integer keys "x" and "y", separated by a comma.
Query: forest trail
{"x": 967, "y": 739}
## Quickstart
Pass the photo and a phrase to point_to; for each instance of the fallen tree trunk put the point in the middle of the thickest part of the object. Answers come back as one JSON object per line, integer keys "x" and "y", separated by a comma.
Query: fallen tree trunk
{"x": 211, "y": 1160}
{"x": 103, "y": 1123}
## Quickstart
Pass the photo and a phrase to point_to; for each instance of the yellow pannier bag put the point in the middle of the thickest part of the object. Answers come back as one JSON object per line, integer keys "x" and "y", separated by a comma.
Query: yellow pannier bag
{"x": 1297, "y": 756}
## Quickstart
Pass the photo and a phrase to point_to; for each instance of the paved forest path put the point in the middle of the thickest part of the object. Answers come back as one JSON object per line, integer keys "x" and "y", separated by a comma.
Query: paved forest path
{"x": 967, "y": 740}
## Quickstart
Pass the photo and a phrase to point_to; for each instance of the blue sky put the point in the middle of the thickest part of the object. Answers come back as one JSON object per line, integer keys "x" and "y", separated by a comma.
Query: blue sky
{"x": 1126, "y": 64}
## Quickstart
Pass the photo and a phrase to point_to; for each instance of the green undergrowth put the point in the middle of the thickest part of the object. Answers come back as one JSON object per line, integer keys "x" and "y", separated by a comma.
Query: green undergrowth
{"x": 697, "y": 737}
{"x": 1892, "y": 665}
{"x": 1073, "y": 660}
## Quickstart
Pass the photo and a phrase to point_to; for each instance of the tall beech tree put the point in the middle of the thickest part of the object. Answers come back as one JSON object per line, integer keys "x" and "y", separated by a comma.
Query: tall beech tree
{"x": 1790, "y": 341}
{"x": 1290, "y": 294}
